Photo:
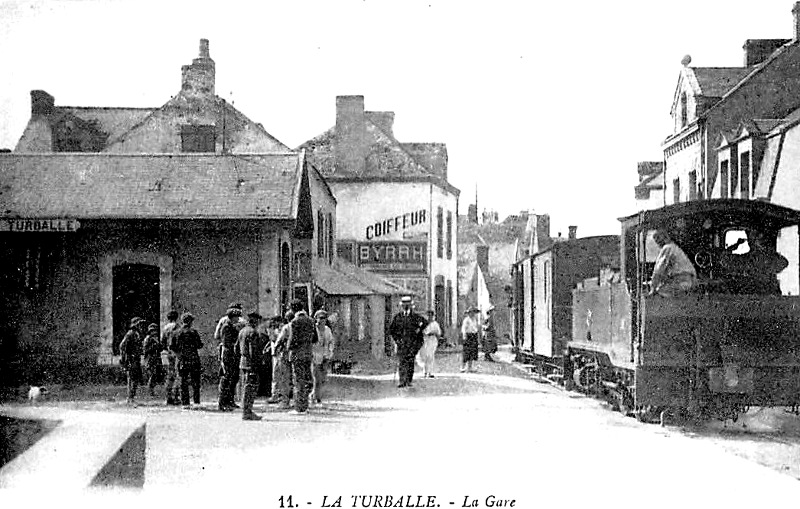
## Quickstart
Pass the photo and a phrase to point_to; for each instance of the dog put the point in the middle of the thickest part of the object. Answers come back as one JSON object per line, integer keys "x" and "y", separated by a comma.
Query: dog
{"x": 36, "y": 394}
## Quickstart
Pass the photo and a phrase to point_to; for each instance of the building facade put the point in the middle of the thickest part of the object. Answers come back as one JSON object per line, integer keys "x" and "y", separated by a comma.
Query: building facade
{"x": 709, "y": 106}
{"x": 396, "y": 211}
{"x": 111, "y": 213}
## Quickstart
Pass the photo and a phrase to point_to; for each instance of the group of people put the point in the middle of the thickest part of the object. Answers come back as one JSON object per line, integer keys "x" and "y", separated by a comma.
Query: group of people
{"x": 417, "y": 339}
{"x": 293, "y": 351}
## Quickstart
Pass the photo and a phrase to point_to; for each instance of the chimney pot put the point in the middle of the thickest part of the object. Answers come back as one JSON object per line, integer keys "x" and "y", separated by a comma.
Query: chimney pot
{"x": 573, "y": 232}
{"x": 198, "y": 78}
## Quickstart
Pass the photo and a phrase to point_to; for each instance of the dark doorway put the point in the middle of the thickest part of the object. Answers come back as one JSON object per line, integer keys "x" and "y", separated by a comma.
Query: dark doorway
{"x": 136, "y": 293}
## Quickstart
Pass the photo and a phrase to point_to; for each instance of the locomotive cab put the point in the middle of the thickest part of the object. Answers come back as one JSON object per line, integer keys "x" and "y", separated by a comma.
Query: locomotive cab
{"x": 733, "y": 340}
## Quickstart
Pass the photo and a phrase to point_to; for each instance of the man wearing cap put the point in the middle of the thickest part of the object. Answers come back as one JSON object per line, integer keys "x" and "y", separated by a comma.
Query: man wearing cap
{"x": 249, "y": 348}
{"x": 469, "y": 335}
{"x": 322, "y": 352}
{"x": 168, "y": 356}
{"x": 185, "y": 343}
{"x": 228, "y": 361}
{"x": 281, "y": 367}
{"x": 152, "y": 357}
{"x": 301, "y": 338}
{"x": 130, "y": 350}
{"x": 406, "y": 331}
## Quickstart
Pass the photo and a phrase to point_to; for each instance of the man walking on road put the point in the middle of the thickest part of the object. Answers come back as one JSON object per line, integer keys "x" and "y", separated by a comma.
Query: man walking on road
{"x": 250, "y": 349}
{"x": 301, "y": 338}
{"x": 406, "y": 331}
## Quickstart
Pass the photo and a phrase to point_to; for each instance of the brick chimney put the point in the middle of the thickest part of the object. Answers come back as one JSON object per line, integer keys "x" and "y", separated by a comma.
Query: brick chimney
{"x": 757, "y": 50}
{"x": 198, "y": 78}
{"x": 42, "y": 103}
{"x": 796, "y": 16}
{"x": 573, "y": 232}
{"x": 351, "y": 135}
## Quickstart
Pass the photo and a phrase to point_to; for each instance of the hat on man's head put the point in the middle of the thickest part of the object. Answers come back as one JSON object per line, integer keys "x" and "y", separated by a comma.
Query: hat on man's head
{"x": 152, "y": 327}
{"x": 431, "y": 312}
{"x": 473, "y": 309}
{"x": 406, "y": 299}
{"x": 254, "y": 315}
{"x": 321, "y": 313}
{"x": 234, "y": 312}
{"x": 172, "y": 315}
{"x": 135, "y": 321}
{"x": 235, "y": 305}
{"x": 187, "y": 318}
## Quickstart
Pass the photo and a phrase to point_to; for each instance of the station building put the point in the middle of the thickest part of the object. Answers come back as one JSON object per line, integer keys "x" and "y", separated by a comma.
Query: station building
{"x": 396, "y": 211}
{"x": 111, "y": 213}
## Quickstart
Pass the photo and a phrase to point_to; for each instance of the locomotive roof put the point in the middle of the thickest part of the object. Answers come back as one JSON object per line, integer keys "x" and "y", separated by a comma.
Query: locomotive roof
{"x": 719, "y": 208}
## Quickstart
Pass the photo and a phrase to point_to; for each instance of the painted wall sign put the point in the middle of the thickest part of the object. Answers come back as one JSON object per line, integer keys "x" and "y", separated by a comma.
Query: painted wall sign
{"x": 39, "y": 225}
{"x": 396, "y": 223}
{"x": 392, "y": 256}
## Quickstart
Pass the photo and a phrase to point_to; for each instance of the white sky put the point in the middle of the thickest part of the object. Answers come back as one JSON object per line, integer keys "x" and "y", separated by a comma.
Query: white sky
{"x": 545, "y": 106}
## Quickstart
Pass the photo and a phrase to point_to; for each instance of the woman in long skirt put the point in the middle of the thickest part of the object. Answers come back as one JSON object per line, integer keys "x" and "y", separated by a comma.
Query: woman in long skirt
{"x": 426, "y": 354}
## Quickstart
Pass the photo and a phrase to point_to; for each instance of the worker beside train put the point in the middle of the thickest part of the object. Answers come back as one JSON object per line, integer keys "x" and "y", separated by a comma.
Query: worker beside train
{"x": 674, "y": 274}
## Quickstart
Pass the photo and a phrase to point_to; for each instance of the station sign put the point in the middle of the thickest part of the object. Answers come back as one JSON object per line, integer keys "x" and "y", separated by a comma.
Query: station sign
{"x": 400, "y": 256}
{"x": 39, "y": 225}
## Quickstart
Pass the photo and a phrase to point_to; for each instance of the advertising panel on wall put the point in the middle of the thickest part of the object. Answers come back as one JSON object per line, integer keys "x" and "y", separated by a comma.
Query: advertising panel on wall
{"x": 405, "y": 257}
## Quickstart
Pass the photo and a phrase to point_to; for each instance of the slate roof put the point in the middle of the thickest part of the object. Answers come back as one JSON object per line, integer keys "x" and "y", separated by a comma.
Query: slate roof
{"x": 717, "y": 81}
{"x": 345, "y": 278}
{"x": 150, "y": 186}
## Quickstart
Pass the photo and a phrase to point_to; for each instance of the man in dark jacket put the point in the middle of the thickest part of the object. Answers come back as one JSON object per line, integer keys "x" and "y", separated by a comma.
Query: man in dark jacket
{"x": 249, "y": 348}
{"x": 228, "y": 361}
{"x": 130, "y": 350}
{"x": 406, "y": 331}
{"x": 302, "y": 335}
{"x": 185, "y": 343}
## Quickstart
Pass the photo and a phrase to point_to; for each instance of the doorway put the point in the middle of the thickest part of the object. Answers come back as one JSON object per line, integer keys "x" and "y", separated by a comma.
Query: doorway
{"x": 136, "y": 292}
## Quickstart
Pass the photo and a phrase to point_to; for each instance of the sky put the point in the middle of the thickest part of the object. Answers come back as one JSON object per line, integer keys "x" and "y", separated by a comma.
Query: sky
{"x": 544, "y": 106}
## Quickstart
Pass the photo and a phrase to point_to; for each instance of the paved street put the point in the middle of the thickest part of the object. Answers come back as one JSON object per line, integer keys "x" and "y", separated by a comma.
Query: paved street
{"x": 458, "y": 435}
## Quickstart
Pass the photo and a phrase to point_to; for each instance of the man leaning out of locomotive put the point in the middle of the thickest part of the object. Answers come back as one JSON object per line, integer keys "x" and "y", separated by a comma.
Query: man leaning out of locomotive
{"x": 673, "y": 274}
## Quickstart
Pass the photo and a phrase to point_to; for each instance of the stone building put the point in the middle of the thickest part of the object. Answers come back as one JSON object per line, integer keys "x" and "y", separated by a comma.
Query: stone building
{"x": 110, "y": 213}
{"x": 397, "y": 212}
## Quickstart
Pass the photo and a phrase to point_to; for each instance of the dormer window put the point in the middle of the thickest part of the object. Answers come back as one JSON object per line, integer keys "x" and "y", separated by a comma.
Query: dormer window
{"x": 198, "y": 138}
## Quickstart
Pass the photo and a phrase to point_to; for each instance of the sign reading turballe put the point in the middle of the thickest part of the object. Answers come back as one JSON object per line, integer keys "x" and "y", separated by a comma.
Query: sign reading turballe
{"x": 39, "y": 225}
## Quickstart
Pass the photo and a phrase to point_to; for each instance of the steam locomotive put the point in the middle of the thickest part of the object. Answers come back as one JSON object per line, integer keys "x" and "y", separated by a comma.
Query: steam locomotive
{"x": 584, "y": 316}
